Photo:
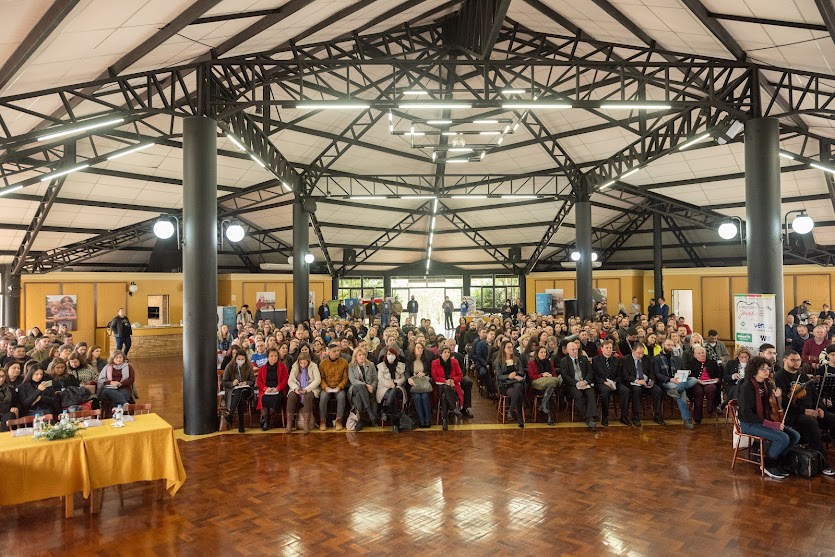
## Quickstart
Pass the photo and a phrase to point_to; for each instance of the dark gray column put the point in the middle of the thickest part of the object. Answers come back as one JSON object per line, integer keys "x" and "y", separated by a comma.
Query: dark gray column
{"x": 11, "y": 298}
{"x": 762, "y": 214}
{"x": 582, "y": 223}
{"x": 657, "y": 244}
{"x": 523, "y": 292}
{"x": 387, "y": 284}
{"x": 335, "y": 288}
{"x": 199, "y": 274}
{"x": 301, "y": 270}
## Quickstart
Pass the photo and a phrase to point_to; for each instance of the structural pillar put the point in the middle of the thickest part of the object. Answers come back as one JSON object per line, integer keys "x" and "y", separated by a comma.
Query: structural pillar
{"x": 200, "y": 234}
{"x": 582, "y": 224}
{"x": 11, "y": 298}
{"x": 301, "y": 270}
{"x": 762, "y": 215}
{"x": 523, "y": 292}
{"x": 657, "y": 253}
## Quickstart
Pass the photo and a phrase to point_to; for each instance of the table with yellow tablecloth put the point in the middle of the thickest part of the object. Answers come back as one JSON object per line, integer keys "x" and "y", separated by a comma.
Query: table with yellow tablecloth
{"x": 31, "y": 470}
{"x": 143, "y": 450}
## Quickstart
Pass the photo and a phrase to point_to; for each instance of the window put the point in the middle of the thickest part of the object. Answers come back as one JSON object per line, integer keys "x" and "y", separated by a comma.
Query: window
{"x": 360, "y": 287}
{"x": 490, "y": 292}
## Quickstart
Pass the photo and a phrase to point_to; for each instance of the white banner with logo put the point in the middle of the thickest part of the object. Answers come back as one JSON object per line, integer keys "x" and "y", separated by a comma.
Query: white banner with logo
{"x": 755, "y": 320}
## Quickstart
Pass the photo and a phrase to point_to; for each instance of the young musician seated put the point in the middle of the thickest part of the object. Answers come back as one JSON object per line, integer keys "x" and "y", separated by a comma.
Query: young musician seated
{"x": 803, "y": 411}
{"x": 754, "y": 408}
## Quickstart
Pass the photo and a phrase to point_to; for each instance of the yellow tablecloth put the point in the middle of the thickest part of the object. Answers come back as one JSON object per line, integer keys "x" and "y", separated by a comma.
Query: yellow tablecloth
{"x": 143, "y": 450}
{"x": 33, "y": 470}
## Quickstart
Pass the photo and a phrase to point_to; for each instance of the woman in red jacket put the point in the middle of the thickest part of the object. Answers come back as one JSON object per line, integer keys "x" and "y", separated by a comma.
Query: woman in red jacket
{"x": 272, "y": 387}
{"x": 544, "y": 379}
{"x": 446, "y": 373}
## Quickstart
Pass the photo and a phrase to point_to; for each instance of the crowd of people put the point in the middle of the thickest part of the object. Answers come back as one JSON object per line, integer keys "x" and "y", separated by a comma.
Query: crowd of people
{"x": 377, "y": 369}
{"x": 44, "y": 372}
{"x": 350, "y": 372}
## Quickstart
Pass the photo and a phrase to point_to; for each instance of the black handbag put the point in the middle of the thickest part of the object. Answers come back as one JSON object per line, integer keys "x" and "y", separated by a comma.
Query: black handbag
{"x": 74, "y": 396}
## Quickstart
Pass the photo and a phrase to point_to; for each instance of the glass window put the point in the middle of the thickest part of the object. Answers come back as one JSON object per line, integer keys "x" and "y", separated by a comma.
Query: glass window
{"x": 513, "y": 293}
{"x": 481, "y": 281}
{"x": 372, "y": 282}
{"x": 487, "y": 296}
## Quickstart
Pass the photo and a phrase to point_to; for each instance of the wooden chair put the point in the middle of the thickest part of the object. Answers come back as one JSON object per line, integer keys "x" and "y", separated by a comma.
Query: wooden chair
{"x": 437, "y": 397}
{"x": 537, "y": 395}
{"x": 739, "y": 436}
{"x": 137, "y": 409}
{"x": 504, "y": 402}
{"x": 85, "y": 414}
{"x": 25, "y": 421}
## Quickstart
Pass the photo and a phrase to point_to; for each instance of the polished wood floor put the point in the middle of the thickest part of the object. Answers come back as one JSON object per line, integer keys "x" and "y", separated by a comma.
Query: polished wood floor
{"x": 542, "y": 491}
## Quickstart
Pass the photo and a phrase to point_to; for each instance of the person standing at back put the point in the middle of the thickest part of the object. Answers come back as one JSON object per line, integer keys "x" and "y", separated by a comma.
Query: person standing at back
{"x": 120, "y": 326}
{"x": 447, "y": 307}
{"x": 412, "y": 308}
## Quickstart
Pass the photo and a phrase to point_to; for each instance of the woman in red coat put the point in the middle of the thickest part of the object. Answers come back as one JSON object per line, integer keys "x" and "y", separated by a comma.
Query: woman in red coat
{"x": 446, "y": 373}
{"x": 272, "y": 387}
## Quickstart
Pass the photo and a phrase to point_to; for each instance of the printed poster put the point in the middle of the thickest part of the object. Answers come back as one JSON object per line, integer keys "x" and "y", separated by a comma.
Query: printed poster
{"x": 755, "y": 320}
{"x": 61, "y": 310}
{"x": 265, "y": 301}
{"x": 557, "y": 301}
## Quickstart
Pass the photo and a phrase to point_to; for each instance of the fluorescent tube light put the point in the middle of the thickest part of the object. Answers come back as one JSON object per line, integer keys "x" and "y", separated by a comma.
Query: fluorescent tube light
{"x": 631, "y": 172}
{"x": 694, "y": 141}
{"x": 821, "y": 167}
{"x": 438, "y": 122}
{"x": 63, "y": 172}
{"x": 129, "y": 151}
{"x": 83, "y": 128}
{"x": 235, "y": 142}
{"x": 430, "y": 105}
{"x": 10, "y": 189}
{"x": 535, "y": 105}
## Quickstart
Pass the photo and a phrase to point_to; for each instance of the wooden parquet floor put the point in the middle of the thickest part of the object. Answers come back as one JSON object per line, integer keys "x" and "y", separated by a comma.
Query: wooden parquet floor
{"x": 540, "y": 491}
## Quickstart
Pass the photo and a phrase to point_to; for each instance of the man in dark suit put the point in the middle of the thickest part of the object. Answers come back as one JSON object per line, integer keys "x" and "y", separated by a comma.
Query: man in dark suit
{"x": 639, "y": 378}
{"x": 607, "y": 372}
{"x": 578, "y": 377}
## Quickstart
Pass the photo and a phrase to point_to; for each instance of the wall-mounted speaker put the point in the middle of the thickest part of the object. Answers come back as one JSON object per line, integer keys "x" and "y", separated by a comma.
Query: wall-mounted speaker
{"x": 514, "y": 254}
{"x": 349, "y": 256}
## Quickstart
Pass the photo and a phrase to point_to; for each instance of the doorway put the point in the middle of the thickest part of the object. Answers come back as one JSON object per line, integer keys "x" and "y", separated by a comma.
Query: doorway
{"x": 429, "y": 292}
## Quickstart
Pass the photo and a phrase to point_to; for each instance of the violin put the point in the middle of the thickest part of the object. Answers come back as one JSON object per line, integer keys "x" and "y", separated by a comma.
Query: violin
{"x": 799, "y": 390}
{"x": 776, "y": 405}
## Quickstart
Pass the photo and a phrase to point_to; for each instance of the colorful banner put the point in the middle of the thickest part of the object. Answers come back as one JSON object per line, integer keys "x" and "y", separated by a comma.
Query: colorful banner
{"x": 755, "y": 320}
{"x": 62, "y": 310}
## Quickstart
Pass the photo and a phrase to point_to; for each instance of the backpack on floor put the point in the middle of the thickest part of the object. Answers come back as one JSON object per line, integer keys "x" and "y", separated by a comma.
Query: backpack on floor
{"x": 805, "y": 463}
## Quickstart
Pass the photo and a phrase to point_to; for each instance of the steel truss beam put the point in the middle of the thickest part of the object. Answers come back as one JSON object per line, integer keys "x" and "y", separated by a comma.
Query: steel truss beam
{"x": 553, "y": 227}
{"x": 479, "y": 240}
{"x": 409, "y": 57}
{"x": 384, "y": 240}
{"x": 684, "y": 243}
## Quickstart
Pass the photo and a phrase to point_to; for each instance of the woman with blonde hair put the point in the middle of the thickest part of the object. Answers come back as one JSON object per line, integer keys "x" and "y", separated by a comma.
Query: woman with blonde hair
{"x": 303, "y": 386}
{"x": 362, "y": 375}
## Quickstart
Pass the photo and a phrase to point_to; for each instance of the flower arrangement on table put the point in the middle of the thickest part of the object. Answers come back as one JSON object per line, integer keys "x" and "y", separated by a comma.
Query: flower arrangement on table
{"x": 61, "y": 430}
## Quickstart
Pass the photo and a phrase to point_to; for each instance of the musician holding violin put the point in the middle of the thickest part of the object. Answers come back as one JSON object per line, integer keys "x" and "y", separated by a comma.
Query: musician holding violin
{"x": 759, "y": 414}
{"x": 801, "y": 403}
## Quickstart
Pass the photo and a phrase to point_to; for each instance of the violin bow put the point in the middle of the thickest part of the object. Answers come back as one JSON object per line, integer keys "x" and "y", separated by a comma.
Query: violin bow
{"x": 791, "y": 395}
{"x": 820, "y": 390}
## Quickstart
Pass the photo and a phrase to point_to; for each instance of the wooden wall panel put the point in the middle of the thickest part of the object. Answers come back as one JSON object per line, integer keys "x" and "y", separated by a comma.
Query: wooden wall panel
{"x": 739, "y": 285}
{"x": 249, "y": 292}
{"x": 613, "y": 293}
{"x": 568, "y": 288}
{"x": 34, "y": 303}
{"x": 110, "y": 296}
{"x": 290, "y": 301}
{"x": 280, "y": 289}
{"x": 814, "y": 288}
{"x": 788, "y": 294}
{"x": 318, "y": 288}
{"x": 716, "y": 305}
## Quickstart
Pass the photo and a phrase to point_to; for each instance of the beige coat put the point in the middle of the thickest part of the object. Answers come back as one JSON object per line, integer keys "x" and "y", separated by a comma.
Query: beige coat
{"x": 314, "y": 379}
{"x": 386, "y": 382}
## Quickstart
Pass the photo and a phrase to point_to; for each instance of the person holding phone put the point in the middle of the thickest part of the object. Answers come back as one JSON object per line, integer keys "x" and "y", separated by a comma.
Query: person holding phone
{"x": 37, "y": 395}
{"x": 304, "y": 385}
{"x": 9, "y": 404}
